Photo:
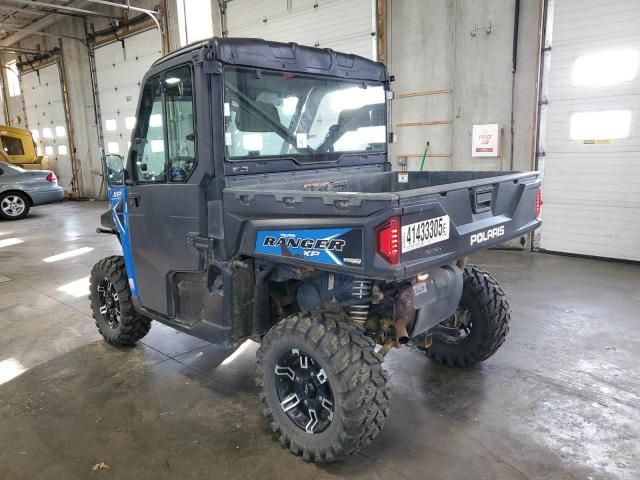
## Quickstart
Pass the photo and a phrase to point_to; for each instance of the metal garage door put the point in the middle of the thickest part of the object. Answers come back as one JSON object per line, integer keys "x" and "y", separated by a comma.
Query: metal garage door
{"x": 119, "y": 74}
{"x": 46, "y": 120}
{"x": 592, "y": 146}
{"x": 338, "y": 24}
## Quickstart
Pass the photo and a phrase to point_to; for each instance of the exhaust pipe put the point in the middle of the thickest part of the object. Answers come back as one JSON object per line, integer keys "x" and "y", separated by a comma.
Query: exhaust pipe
{"x": 404, "y": 315}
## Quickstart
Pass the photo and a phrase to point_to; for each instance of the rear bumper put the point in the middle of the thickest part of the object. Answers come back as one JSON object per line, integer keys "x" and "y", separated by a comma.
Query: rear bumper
{"x": 50, "y": 195}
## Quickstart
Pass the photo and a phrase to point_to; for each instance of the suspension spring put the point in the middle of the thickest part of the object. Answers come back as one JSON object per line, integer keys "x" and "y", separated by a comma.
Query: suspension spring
{"x": 361, "y": 290}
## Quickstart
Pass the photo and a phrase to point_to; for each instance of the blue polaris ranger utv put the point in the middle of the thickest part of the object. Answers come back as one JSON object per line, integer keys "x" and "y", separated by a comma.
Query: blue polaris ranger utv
{"x": 258, "y": 202}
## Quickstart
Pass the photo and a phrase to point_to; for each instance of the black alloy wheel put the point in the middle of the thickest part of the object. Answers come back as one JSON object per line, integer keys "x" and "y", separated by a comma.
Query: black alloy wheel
{"x": 304, "y": 391}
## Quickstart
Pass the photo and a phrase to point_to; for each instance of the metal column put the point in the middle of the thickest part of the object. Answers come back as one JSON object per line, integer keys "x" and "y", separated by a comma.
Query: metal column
{"x": 5, "y": 97}
{"x": 75, "y": 171}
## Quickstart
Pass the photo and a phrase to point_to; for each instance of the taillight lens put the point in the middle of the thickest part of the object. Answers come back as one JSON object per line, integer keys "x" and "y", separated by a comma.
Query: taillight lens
{"x": 51, "y": 177}
{"x": 539, "y": 204}
{"x": 388, "y": 240}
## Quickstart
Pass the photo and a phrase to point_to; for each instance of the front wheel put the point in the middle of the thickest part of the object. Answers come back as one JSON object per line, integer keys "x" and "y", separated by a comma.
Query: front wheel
{"x": 323, "y": 386}
{"x": 478, "y": 327}
{"x": 116, "y": 319}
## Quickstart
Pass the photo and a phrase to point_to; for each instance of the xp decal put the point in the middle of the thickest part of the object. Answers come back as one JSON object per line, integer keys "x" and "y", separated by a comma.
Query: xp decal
{"x": 120, "y": 213}
{"x": 335, "y": 246}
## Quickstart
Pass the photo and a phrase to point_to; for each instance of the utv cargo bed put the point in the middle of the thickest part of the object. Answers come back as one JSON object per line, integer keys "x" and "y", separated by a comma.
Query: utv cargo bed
{"x": 442, "y": 216}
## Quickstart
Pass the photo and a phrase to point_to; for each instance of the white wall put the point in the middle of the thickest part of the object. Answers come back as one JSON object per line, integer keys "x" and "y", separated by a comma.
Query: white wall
{"x": 431, "y": 48}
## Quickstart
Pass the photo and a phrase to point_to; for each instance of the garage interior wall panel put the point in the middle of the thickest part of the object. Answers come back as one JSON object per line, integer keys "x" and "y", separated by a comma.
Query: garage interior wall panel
{"x": 119, "y": 73}
{"x": 337, "y": 24}
{"x": 591, "y": 191}
{"x": 3, "y": 121}
{"x": 46, "y": 120}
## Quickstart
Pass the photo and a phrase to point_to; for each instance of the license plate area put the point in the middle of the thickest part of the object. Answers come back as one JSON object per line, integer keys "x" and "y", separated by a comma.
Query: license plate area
{"x": 425, "y": 232}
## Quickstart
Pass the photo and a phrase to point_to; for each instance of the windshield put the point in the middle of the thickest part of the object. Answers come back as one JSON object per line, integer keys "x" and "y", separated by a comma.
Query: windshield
{"x": 281, "y": 114}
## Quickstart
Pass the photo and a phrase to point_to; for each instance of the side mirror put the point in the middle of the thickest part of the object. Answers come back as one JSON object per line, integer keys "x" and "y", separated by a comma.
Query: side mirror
{"x": 114, "y": 170}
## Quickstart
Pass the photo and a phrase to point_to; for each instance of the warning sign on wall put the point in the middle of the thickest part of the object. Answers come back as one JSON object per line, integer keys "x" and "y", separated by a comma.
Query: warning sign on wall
{"x": 485, "y": 140}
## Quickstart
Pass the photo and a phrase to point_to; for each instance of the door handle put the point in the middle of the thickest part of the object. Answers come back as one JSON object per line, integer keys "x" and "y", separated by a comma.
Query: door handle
{"x": 133, "y": 200}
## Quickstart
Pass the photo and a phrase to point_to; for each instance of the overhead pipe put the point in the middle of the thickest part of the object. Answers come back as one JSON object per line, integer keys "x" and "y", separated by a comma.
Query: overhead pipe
{"x": 151, "y": 13}
{"x": 122, "y": 24}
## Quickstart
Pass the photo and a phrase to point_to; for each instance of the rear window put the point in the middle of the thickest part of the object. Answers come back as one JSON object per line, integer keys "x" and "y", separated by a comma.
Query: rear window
{"x": 8, "y": 167}
{"x": 11, "y": 145}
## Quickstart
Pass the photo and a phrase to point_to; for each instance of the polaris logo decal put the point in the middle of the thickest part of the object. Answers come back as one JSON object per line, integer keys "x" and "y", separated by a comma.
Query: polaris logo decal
{"x": 334, "y": 246}
{"x": 482, "y": 237}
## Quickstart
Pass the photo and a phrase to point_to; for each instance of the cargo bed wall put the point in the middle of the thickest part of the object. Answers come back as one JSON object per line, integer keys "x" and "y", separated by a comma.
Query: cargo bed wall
{"x": 380, "y": 182}
{"x": 479, "y": 210}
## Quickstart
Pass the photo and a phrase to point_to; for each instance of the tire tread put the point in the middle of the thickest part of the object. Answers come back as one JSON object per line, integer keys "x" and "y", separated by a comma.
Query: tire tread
{"x": 133, "y": 325}
{"x": 496, "y": 313}
{"x": 363, "y": 382}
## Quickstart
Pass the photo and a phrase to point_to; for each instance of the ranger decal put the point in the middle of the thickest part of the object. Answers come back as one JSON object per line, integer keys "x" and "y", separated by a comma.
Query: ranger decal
{"x": 335, "y": 246}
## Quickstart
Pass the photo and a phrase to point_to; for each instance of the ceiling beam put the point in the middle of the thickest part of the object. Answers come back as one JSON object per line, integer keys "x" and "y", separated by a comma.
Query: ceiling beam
{"x": 55, "y": 8}
{"x": 29, "y": 51}
{"x": 78, "y": 10}
{"x": 17, "y": 28}
{"x": 23, "y": 10}
{"x": 38, "y": 25}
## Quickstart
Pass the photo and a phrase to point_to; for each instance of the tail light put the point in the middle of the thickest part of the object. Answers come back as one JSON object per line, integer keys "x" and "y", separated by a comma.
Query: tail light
{"x": 51, "y": 177}
{"x": 539, "y": 204}
{"x": 388, "y": 240}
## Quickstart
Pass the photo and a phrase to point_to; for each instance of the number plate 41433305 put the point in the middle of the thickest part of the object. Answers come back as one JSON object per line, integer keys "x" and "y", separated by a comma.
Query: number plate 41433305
{"x": 426, "y": 232}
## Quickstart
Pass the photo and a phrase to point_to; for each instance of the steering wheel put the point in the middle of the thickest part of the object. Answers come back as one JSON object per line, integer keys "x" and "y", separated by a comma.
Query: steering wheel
{"x": 181, "y": 166}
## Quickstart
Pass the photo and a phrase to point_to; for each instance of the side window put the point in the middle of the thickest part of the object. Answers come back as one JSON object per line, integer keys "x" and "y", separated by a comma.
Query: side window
{"x": 11, "y": 145}
{"x": 150, "y": 165}
{"x": 178, "y": 87}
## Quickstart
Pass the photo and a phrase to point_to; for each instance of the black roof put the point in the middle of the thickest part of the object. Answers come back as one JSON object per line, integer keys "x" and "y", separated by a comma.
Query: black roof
{"x": 290, "y": 57}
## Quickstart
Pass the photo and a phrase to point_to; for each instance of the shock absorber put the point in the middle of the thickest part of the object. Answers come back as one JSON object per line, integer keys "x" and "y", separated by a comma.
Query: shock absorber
{"x": 360, "y": 290}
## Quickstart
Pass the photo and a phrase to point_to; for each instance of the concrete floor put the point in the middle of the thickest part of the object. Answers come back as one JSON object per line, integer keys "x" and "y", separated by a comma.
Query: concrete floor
{"x": 560, "y": 400}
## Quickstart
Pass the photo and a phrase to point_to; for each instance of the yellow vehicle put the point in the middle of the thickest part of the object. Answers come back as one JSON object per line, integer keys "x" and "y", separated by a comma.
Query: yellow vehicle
{"x": 17, "y": 145}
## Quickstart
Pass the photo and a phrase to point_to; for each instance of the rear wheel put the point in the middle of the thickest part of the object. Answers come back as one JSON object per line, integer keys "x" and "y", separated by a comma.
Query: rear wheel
{"x": 323, "y": 386}
{"x": 14, "y": 206}
{"x": 478, "y": 327}
{"x": 116, "y": 319}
